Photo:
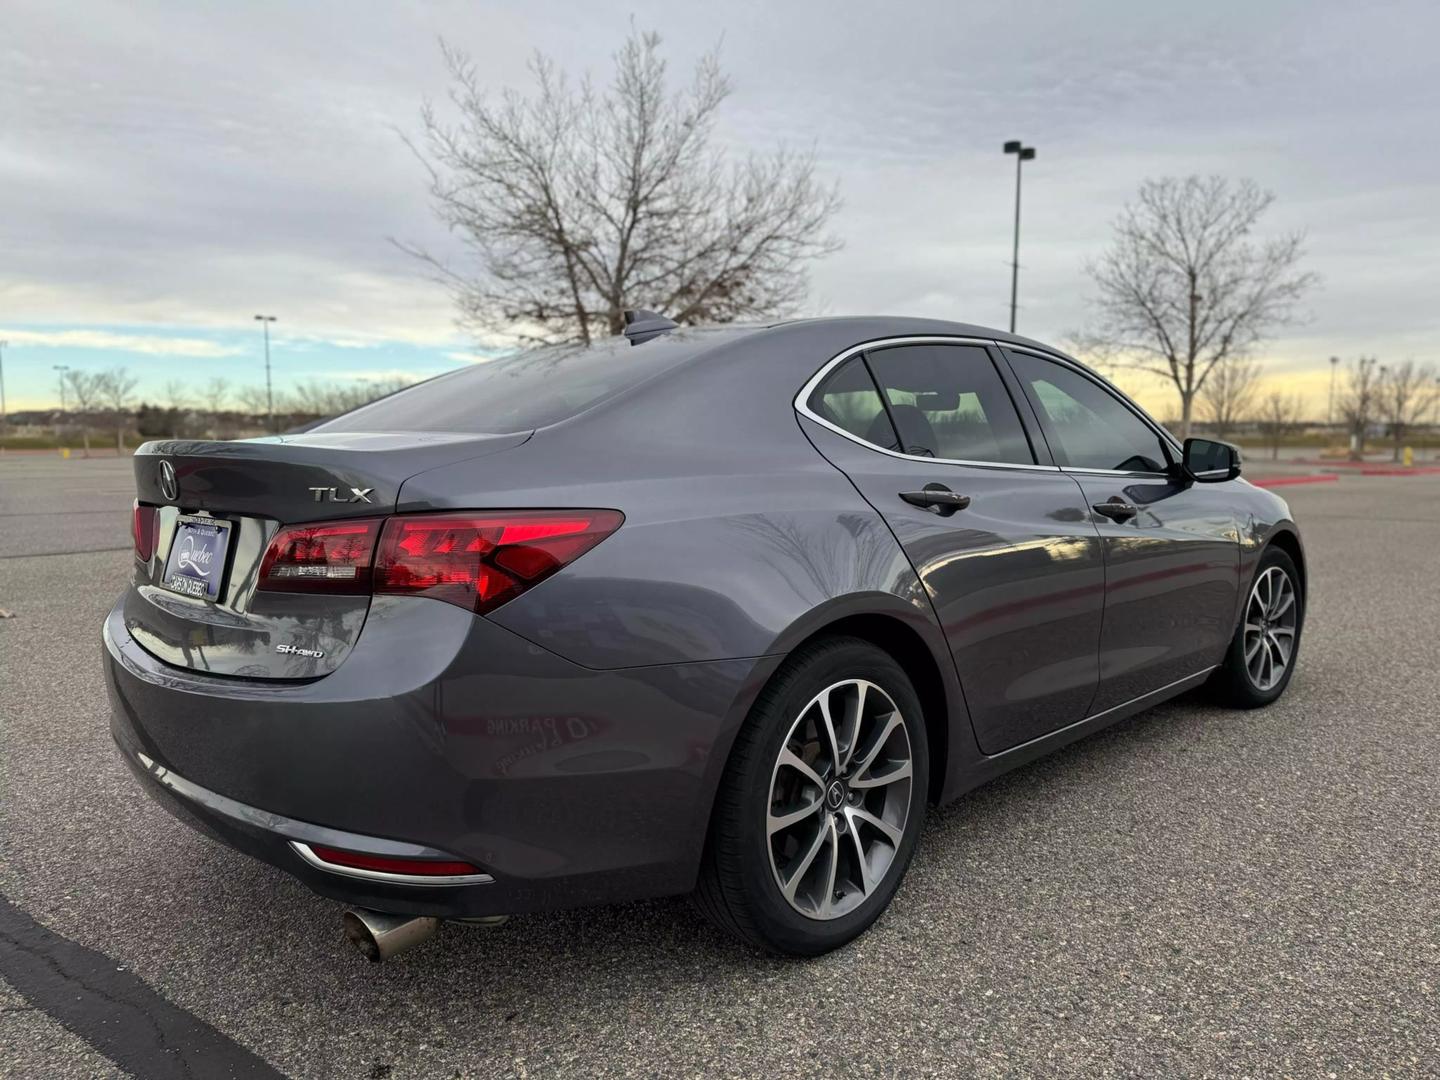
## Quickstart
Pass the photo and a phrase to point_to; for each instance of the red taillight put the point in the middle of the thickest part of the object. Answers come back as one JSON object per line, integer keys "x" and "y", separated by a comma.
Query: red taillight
{"x": 481, "y": 560}
{"x": 333, "y": 557}
{"x": 477, "y": 560}
{"x": 391, "y": 865}
{"x": 142, "y": 528}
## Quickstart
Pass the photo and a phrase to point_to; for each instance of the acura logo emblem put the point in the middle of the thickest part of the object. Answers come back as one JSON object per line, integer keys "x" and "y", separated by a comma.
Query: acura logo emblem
{"x": 169, "y": 486}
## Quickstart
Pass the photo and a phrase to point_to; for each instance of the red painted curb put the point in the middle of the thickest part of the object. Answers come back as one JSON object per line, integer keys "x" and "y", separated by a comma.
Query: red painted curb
{"x": 1400, "y": 470}
{"x": 1285, "y": 481}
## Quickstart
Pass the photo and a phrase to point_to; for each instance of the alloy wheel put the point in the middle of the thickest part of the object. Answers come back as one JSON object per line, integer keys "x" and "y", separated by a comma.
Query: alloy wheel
{"x": 1270, "y": 623}
{"x": 839, "y": 799}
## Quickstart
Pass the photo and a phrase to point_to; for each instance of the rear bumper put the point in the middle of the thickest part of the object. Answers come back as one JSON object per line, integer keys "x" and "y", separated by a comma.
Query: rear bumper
{"x": 444, "y": 734}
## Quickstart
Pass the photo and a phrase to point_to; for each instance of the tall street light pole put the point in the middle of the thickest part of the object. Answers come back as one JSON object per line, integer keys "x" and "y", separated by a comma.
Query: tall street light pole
{"x": 2, "y": 384}
{"x": 1022, "y": 154}
{"x": 61, "y": 368}
{"x": 1334, "y": 366}
{"x": 265, "y": 321}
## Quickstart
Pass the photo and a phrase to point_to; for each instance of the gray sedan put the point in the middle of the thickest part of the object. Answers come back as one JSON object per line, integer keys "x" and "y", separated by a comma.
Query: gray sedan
{"x": 711, "y": 611}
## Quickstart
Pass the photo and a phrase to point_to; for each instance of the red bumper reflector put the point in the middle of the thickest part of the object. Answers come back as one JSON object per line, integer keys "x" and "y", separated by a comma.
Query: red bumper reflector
{"x": 388, "y": 864}
{"x": 143, "y": 528}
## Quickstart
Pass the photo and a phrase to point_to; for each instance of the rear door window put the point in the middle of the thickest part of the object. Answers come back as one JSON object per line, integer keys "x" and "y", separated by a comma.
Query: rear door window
{"x": 948, "y": 401}
{"x": 848, "y": 399}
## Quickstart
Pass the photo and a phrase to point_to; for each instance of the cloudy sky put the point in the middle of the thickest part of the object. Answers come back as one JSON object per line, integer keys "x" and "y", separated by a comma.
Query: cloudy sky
{"x": 167, "y": 170}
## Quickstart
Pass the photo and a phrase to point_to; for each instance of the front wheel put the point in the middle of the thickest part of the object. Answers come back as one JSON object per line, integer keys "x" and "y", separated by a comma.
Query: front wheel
{"x": 821, "y": 804}
{"x": 1262, "y": 654}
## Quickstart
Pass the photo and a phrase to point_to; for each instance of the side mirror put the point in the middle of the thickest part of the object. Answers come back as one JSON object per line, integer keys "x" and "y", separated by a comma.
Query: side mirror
{"x": 1209, "y": 461}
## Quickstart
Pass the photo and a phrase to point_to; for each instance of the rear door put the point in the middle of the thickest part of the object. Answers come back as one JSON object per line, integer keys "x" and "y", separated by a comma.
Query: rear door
{"x": 1172, "y": 552}
{"x": 1002, "y": 540}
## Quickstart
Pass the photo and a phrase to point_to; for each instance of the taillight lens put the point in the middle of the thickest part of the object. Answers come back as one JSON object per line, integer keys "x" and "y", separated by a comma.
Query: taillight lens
{"x": 333, "y": 557}
{"x": 142, "y": 528}
{"x": 481, "y": 560}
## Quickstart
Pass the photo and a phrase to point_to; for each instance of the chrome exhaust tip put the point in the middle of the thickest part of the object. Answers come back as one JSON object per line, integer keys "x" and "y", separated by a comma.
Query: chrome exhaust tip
{"x": 380, "y": 936}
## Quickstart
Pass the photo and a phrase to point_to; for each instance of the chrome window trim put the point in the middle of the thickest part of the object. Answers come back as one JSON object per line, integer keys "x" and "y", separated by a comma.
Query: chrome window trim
{"x": 802, "y": 399}
{"x": 304, "y": 851}
{"x": 1120, "y": 396}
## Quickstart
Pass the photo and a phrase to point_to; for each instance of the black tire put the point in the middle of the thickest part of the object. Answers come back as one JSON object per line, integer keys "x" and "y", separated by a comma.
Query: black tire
{"x": 1233, "y": 683}
{"x": 739, "y": 888}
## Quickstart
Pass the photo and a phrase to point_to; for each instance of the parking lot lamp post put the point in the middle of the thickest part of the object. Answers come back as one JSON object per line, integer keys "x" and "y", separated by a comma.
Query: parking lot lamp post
{"x": 265, "y": 321}
{"x": 1022, "y": 154}
{"x": 1334, "y": 366}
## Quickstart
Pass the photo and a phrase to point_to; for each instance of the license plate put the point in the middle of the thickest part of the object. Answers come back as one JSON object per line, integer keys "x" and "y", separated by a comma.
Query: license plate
{"x": 197, "y": 557}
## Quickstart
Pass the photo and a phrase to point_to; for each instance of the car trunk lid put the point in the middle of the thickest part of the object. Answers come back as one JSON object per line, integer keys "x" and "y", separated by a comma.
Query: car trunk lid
{"x": 248, "y": 491}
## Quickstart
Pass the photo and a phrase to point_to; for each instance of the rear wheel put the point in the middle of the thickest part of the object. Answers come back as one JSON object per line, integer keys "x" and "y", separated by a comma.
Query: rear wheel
{"x": 1262, "y": 654}
{"x": 821, "y": 804}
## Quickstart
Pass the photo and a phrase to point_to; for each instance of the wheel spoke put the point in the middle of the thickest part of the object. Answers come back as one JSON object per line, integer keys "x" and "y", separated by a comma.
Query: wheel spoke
{"x": 803, "y": 867}
{"x": 860, "y": 814}
{"x": 899, "y": 772}
{"x": 892, "y": 721}
{"x": 827, "y": 899}
{"x": 1281, "y": 652}
{"x": 852, "y": 726}
{"x": 789, "y": 758}
{"x": 777, "y": 822}
{"x": 1252, "y": 649}
{"x": 829, "y": 732}
{"x": 867, "y": 883}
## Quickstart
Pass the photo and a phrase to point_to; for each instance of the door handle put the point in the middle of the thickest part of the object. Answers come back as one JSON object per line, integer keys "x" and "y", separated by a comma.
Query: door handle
{"x": 937, "y": 498}
{"x": 1116, "y": 510}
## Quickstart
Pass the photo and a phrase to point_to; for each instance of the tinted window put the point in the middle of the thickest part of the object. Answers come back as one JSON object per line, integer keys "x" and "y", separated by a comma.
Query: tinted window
{"x": 521, "y": 391}
{"x": 948, "y": 401}
{"x": 1087, "y": 426}
{"x": 849, "y": 400}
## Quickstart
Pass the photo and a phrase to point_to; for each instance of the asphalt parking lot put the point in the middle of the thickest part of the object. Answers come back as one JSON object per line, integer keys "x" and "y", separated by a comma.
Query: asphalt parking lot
{"x": 1195, "y": 892}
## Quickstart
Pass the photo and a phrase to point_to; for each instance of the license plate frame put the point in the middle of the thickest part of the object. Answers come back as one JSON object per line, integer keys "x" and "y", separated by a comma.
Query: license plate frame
{"x": 197, "y": 570}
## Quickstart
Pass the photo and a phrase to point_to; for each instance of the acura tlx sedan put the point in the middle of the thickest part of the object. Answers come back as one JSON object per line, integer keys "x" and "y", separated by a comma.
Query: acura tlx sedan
{"x": 717, "y": 611}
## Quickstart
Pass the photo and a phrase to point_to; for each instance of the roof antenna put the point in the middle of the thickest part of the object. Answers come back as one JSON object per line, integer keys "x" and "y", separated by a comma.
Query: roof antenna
{"x": 642, "y": 325}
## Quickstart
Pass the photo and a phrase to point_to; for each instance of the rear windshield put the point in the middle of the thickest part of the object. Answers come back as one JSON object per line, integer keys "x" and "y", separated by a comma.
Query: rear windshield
{"x": 521, "y": 391}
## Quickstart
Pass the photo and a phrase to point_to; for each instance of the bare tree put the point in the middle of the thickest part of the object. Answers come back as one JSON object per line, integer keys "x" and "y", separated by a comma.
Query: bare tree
{"x": 254, "y": 400}
{"x": 579, "y": 202}
{"x": 1405, "y": 394}
{"x": 1228, "y": 393}
{"x": 1185, "y": 287}
{"x": 117, "y": 390}
{"x": 1359, "y": 402}
{"x": 215, "y": 394}
{"x": 313, "y": 398}
{"x": 1279, "y": 414}
{"x": 177, "y": 400}
{"x": 85, "y": 390}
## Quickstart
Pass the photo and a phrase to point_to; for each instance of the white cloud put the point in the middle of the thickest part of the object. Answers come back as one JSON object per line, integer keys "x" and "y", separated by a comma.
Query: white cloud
{"x": 148, "y": 344}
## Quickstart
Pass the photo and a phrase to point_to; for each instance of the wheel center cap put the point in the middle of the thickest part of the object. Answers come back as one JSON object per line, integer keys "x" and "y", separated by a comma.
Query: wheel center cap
{"x": 835, "y": 795}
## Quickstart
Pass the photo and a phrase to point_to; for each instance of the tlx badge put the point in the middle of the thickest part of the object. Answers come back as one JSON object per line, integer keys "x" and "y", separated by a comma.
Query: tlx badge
{"x": 330, "y": 494}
